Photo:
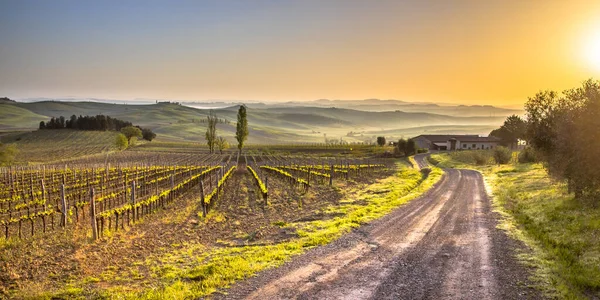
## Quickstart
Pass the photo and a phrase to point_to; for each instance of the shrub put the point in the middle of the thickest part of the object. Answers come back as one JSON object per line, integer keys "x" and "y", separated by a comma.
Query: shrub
{"x": 422, "y": 150}
{"x": 121, "y": 142}
{"x": 527, "y": 155}
{"x": 502, "y": 155}
{"x": 480, "y": 158}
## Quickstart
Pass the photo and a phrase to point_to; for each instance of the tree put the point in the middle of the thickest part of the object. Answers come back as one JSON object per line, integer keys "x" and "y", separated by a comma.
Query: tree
{"x": 7, "y": 154}
{"x": 147, "y": 134}
{"x": 42, "y": 125}
{"x": 211, "y": 131}
{"x": 121, "y": 142}
{"x": 241, "y": 132}
{"x": 73, "y": 122}
{"x": 222, "y": 144}
{"x": 401, "y": 146}
{"x": 513, "y": 129}
{"x": 130, "y": 132}
{"x": 381, "y": 141}
{"x": 411, "y": 147}
{"x": 563, "y": 130}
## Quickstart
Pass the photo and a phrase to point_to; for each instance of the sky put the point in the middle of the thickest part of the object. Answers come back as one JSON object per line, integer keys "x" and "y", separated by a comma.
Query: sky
{"x": 468, "y": 52}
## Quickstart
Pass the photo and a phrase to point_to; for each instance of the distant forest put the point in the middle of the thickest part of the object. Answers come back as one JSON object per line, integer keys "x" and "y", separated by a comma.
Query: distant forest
{"x": 99, "y": 122}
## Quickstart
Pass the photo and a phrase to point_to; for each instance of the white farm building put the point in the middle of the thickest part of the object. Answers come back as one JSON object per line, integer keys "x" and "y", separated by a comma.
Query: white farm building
{"x": 455, "y": 142}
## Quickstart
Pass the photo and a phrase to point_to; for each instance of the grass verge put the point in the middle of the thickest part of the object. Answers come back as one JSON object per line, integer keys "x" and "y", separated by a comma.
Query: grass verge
{"x": 562, "y": 232}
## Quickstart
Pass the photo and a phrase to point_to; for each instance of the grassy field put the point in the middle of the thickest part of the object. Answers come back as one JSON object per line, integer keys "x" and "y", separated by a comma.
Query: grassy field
{"x": 563, "y": 232}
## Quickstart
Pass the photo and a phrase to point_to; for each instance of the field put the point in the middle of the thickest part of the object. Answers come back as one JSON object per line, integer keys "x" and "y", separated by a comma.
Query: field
{"x": 145, "y": 223}
{"x": 561, "y": 231}
{"x": 59, "y": 145}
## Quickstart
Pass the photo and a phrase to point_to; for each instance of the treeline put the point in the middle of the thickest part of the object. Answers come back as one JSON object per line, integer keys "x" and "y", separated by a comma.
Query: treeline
{"x": 98, "y": 122}
{"x": 562, "y": 131}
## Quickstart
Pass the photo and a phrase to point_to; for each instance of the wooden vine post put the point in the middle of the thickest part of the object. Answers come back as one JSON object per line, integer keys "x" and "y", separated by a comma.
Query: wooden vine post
{"x": 202, "y": 199}
{"x": 64, "y": 206}
{"x": 135, "y": 216}
{"x": 331, "y": 176}
{"x": 93, "y": 214}
{"x": 266, "y": 196}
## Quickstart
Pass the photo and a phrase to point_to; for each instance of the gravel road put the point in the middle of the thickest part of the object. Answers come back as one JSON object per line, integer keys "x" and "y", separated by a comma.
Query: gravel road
{"x": 443, "y": 245}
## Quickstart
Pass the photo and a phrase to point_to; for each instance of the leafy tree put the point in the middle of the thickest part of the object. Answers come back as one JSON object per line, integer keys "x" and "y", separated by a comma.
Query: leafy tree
{"x": 130, "y": 132}
{"x": 42, "y": 125}
{"x": 121, "y": 142}
{"x": 241, "y": 132}
{"x": 211, "y": 131}
{"x": 513, "y": 129}
{"x": 401, "y": 146}
{"x": 73, "y": 122}
{"x": 411, "y": 147}
{"x": 147, "y": 134}
{"x": 7, "y": 154}
{"x": 381, "y": 141}
{"x": 222, "y": 144}
{"x": 564, "y": 132}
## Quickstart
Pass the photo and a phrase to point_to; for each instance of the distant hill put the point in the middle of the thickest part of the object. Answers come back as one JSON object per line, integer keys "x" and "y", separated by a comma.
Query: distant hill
{"x": 393, "y": 105}
{"x": 281, "y": 123}
{"x": 6, "y": 100}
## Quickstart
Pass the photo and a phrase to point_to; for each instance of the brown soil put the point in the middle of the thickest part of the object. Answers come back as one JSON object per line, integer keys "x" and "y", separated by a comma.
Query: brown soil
{"x": 51, "y": 261}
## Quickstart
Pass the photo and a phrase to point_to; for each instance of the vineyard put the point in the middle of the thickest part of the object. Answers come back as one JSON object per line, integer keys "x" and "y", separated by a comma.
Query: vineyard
{"x": 100, "y": 194}
{"x": 72, "y": 210}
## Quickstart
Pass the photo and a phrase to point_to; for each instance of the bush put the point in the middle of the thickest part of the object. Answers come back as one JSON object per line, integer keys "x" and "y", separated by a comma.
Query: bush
{"x": 502, "y": 155}
{"x": 480, "y": 158}
{"x": 422, "y": 150}
{"x": 121, "y": 142}
{"x": 527, "y": 155}
{"x": 147, "y": 134}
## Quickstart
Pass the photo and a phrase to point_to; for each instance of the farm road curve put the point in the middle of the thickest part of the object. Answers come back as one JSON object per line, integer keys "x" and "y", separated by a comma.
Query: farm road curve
{"x": 443, "y": 245}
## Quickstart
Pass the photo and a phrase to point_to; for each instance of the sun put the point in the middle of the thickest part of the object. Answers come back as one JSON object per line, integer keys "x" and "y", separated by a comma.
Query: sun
{"x": 592, "y": 51}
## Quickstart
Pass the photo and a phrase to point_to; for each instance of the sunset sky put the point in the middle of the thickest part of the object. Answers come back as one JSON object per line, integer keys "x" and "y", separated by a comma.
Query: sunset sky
{"x": 471, "y": 52}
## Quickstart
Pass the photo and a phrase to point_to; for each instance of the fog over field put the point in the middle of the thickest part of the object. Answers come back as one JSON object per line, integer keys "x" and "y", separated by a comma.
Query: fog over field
{"x": 270, "y": 122}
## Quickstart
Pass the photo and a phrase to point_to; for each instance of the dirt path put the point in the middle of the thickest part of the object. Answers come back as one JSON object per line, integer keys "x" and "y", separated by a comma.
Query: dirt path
{"x": 443, "y": 245}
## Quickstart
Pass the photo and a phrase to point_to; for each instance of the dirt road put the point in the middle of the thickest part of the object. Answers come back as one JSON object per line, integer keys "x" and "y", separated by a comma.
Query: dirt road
{"x": 443, "y": 245}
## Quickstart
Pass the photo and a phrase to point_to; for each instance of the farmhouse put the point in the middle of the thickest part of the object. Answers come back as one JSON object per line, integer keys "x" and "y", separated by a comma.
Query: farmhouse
{"x": 455, "y": 142}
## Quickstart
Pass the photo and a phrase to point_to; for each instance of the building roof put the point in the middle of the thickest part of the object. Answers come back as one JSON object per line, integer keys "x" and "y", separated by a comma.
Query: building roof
{"x": 442, "y": 138}
{"x": 438, "y": 138}
{"x": 480, "y": 139}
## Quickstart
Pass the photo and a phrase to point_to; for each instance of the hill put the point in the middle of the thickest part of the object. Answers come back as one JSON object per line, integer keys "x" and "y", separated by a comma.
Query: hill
{"x": 268, "y": 124}
{"x": 53, "y": 145}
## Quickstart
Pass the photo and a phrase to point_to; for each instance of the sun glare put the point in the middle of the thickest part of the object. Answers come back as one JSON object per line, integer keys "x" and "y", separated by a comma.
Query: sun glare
{"x": 592, "y": 51}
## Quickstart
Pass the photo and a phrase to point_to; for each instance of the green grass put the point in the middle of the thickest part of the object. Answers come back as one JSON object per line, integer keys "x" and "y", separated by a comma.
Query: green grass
{"x": 193, "y": 271}
{"x": 563, "y": 233}
{"x": 14, "y": 117}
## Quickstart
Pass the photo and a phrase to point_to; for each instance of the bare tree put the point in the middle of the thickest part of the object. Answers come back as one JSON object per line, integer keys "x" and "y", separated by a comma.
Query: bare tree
{"x": 222, "y": 144}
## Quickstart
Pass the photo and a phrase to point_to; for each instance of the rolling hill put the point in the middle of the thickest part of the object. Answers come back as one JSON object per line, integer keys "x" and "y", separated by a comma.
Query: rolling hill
{"x": 268, "y": 123}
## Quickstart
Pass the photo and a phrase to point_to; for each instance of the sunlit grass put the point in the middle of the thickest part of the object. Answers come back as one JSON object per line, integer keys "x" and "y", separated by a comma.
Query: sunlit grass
{"x": 563, "y": 233}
